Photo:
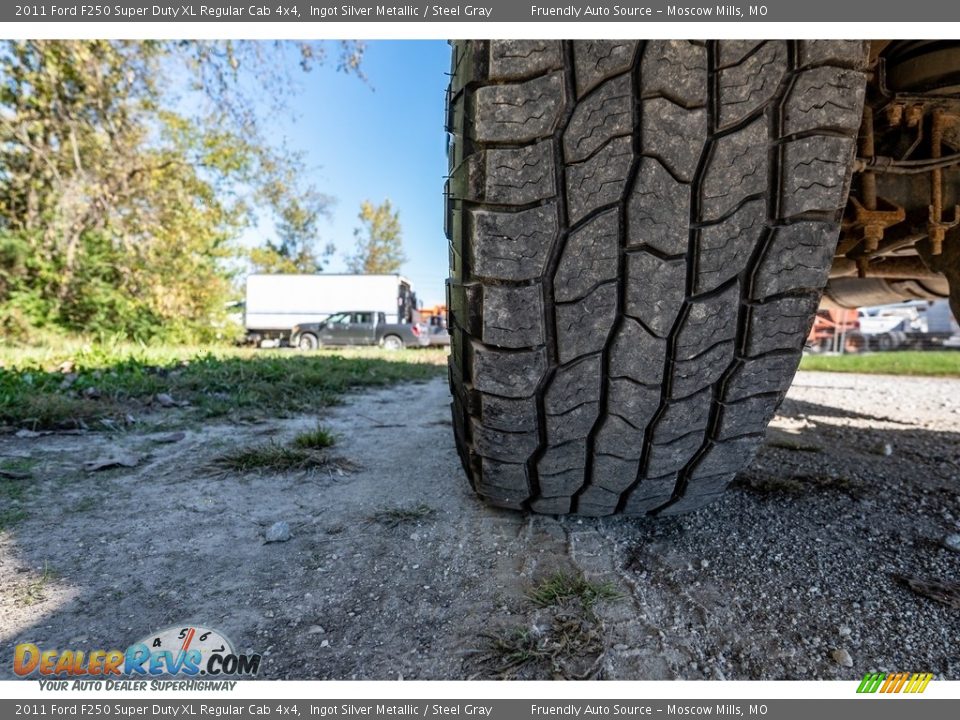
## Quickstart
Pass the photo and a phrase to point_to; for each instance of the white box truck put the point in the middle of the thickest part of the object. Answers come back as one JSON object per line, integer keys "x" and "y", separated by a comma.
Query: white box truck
{"x": 275, "y": 303}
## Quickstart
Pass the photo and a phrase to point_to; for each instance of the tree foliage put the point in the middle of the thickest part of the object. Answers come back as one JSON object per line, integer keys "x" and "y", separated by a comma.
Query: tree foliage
{"x": 296, "y": 248}
{"x": 122, "y": 193}
{"x": 379, "y": 243}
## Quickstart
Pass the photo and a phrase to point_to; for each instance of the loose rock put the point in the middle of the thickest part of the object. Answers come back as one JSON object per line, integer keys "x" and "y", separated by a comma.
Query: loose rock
{"x": 278, "y": 532}
{"x": 165, "y": 400}
{"x": 842, "y": 657}
{"x": 120, "y": 459}
{"x": 952, "y": 542}
{"x": 171, "y": 438}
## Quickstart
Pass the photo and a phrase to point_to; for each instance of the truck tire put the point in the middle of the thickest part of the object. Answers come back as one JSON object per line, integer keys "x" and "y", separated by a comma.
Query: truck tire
{"x": 885, "y": 342}
{"x": 392, "y": 342}
{"x": 307, "y": 342}
{"x": 639, "y": 236}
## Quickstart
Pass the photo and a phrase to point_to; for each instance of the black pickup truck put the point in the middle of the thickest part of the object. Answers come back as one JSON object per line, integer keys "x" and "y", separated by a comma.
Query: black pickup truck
{"x": 357, "y": 327}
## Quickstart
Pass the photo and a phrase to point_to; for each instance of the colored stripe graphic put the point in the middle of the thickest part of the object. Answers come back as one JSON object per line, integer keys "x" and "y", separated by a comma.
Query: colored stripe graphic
{"x": 918, "y": 683}
{"x": 889, "y": 683}
{"x": 870, "y": 683}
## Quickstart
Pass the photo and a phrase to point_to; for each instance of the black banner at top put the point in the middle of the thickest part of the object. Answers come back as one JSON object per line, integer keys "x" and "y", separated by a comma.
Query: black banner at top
{"x": 541, "y": 11}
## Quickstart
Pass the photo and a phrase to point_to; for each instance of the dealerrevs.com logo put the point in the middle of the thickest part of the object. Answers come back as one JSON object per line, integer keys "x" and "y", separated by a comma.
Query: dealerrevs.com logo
{"x": 178, "y": 652}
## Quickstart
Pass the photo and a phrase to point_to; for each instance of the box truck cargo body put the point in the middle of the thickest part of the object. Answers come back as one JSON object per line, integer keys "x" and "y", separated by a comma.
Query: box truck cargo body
{"x": 275, "y": 303}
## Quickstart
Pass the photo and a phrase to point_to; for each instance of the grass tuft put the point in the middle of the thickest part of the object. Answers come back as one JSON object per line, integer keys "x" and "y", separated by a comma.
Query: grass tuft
{"x": 569, "y": 647}
{"x": 270, "y": 456}
{"x": 34, "y": 591}
{"x": 515, "y": 648}
{"x": 565, "y": 640}
{"x": 319, "y": 438}
{"x": 393, "y": 517}
{"x": 562, "y": 588}
{"x": 17, "y": 468}
{"x": 10, "y": 516}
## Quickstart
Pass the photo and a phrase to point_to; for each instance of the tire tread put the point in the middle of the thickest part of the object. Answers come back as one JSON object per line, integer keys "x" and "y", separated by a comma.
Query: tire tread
{"x": 639, "y": 236}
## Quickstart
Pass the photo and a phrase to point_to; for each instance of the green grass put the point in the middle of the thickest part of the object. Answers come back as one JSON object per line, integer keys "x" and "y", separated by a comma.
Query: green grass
{"x": 935, "y": 363}
{"x": 10, "y": 516}
{"x": 19, "y": 466}
{"x": 317, "y": 439}
{"x": 11, "y": 489}
{"x": 564, "y": 639}
{"x": 270, "y": 456}
{"x": 562, "y": 587}
{"x": 552, "y": 651}
{"x": 51, "y": 389}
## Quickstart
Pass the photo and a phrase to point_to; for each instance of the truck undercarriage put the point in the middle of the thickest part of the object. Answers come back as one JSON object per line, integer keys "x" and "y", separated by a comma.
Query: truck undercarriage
{"x": 899, "y": 236}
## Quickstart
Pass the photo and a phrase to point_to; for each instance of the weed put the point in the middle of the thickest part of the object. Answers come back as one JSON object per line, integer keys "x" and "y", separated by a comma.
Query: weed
{"x": 270, "y": 456}
{"x": 562, "y": 588}
{"x": 316, "y": 439}
{"x": 212, "y": 408}
{"x": 401, "y": 516}
{"x": 33, "y": 591}
{"x": 566, "y": 639}
{"x": 22, "y": 465}
{"x": 569, "y": 646}
{"x": 515, "y": 648}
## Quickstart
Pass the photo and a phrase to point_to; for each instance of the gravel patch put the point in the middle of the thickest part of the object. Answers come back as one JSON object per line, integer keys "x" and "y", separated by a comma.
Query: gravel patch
{"x": 813, "y": 565}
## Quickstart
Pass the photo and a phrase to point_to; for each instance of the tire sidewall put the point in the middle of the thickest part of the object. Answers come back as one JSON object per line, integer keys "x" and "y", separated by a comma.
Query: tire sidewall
{"x": 308, "y": 342}
{"x": 392, "y": 343}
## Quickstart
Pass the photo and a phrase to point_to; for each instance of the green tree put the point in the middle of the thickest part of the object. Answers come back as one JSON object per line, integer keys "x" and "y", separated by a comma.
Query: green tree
{"x": 295, "y": 249}
{"x": 122, "y": 194}
{"x": 379, "y": 246}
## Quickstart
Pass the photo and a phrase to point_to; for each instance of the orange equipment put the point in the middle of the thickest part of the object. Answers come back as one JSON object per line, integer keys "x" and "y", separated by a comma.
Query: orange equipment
{"x": 837, "y": 330}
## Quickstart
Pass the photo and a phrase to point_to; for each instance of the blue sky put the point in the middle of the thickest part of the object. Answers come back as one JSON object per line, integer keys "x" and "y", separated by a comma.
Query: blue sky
{"x": 382, "y": 139}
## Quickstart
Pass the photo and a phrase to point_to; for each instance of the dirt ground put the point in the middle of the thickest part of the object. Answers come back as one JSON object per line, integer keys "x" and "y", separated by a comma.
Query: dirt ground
{"x": 395, "y": 570}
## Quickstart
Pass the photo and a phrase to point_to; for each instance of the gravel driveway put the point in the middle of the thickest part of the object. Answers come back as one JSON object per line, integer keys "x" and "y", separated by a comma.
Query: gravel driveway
{"x": 821, "y": 562}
